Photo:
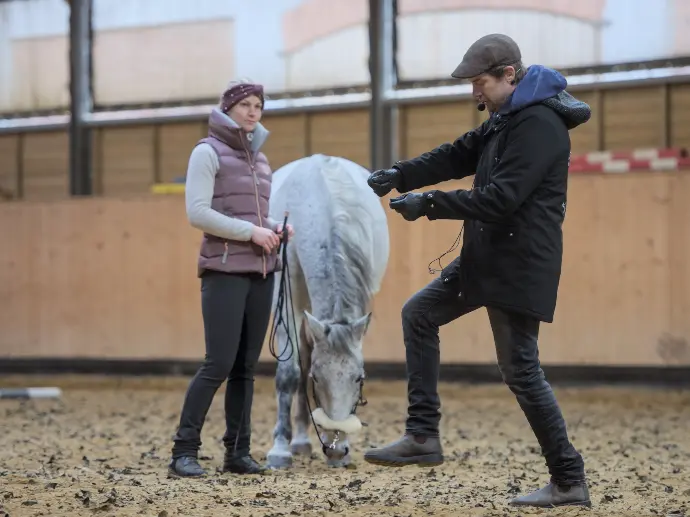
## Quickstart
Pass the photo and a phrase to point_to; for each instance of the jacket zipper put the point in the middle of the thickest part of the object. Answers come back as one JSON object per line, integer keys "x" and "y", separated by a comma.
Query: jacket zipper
{"x": 258, "y": 206}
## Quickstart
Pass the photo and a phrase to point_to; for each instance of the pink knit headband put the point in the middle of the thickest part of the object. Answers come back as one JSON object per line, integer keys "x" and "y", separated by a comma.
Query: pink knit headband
{"x": 233, "y": 95}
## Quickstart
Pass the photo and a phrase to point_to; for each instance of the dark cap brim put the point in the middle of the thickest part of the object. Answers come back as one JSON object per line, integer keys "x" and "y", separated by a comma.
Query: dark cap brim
{"x": 466, "y": 71}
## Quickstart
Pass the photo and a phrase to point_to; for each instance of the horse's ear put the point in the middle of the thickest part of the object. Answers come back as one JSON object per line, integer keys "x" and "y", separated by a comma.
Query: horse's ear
{"x": 361, "y": 325}
{"x": 314, "y": 328}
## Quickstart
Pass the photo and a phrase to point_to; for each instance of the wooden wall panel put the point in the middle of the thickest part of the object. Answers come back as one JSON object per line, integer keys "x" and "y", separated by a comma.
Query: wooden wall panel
{"x": 428, "y": 126}
{"x": 616, "y": 264}
{"x": 288, "y": 140}
{"x": 117, "y": 278}
{"x": 679, "y": 115}
{"x": 175, "y": 143}
{"x": 587, "y": 137}
{"x": 128, "y": 160}
{"x": 9, "y": 145}
{"x": 674, "y": 346}
{"x": 45, "y": 159}
{"x": 634, "y": 118}
{"x": 91, "y": 276}
{"x": 341, "y": 133}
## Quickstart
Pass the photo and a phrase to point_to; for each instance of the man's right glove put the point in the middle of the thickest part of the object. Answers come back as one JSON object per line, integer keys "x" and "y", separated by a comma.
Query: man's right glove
{"x": 384, "y": 180}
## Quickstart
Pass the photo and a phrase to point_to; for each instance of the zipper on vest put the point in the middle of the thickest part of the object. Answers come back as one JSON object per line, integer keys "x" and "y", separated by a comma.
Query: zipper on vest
{"x": 258, "y": 205}
{"x": 225, "y": 254}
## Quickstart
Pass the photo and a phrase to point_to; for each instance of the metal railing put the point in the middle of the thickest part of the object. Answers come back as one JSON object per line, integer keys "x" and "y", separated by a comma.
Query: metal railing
{"x": 331, "y": 102}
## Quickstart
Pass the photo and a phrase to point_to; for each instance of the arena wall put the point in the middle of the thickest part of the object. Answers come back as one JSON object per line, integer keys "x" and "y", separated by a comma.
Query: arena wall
{"x": 114, "y": 279}
{"x": 128, "y": 160}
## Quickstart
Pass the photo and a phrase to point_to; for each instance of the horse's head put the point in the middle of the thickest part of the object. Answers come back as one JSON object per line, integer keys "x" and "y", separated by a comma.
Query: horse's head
{"x": 337, "y": 373}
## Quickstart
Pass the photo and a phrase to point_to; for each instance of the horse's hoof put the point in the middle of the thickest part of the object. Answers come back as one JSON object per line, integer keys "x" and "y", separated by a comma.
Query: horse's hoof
{"x": 301, "y": 448}
{"x": 279, "y": 460}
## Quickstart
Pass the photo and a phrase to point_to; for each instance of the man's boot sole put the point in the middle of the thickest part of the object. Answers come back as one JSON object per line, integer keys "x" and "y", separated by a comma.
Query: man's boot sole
{"x": 246, "y": 472}
{"x": 588, "y": 504}
{"x": 427, "y": 460}
{"x": 172, "y": 473}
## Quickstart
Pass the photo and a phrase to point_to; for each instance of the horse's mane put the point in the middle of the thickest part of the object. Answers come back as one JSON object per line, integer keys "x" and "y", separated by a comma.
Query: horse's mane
{"x": 350, "y": 238}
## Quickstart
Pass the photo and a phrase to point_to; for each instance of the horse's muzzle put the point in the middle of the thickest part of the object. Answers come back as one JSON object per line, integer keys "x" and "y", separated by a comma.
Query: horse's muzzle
{"x": 350, "y": 425}
{"x": 335, "y": 453}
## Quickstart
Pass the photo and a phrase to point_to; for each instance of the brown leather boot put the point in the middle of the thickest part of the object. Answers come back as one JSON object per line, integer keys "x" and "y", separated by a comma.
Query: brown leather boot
{"x": 424, "y": 451}
{"x": 553, "y": 495}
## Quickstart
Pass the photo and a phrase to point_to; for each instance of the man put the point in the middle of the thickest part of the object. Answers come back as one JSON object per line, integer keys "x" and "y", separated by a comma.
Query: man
{"x": 510, "y": 261}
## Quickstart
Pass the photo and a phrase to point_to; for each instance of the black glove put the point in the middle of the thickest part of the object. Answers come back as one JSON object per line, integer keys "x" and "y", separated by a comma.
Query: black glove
{"x": 384, "y": 180}
{"x": 411, "y": 206}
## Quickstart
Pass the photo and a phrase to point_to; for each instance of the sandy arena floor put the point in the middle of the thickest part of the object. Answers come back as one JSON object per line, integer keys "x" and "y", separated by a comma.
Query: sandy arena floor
{"x": 103, "y": 450}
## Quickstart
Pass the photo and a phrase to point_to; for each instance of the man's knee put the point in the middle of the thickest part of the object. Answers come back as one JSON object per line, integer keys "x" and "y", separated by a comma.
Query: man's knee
{"x": 413, "y": 315}
{"x": 408, "y": 311}
{"x": 522, "y": 379}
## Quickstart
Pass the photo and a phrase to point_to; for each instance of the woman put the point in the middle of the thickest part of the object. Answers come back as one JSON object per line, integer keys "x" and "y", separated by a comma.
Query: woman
{"x": 227, "y": 197}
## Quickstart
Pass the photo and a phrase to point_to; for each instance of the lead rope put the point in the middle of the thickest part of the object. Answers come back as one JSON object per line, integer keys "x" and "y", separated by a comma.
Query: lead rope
{"x": 284, "y": 301}
{"x": 433, "y": 271}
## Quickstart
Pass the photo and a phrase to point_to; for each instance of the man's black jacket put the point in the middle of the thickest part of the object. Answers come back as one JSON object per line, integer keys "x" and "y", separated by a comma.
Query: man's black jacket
{"x": 513, "y": 240}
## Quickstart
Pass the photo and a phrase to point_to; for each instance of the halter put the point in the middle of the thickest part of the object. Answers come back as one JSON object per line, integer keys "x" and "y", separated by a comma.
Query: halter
{"x": 285, "y": 287}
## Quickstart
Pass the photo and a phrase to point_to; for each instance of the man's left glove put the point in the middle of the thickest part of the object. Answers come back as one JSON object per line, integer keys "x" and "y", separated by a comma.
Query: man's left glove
{"x": 384, "y": 180}
{"x": 411, "y": 206}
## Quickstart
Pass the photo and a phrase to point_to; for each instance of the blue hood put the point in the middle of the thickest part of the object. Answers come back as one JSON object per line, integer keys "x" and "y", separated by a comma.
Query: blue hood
{"x": 542, "y": 85}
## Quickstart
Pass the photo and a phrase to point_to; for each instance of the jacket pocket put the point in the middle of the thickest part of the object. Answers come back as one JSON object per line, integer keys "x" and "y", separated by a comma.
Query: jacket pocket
{"x": 495, "y": 236}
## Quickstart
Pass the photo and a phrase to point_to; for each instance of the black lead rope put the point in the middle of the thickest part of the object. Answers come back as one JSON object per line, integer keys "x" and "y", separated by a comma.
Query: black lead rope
{"x": 284, "y": 286}
{"x": 284, "y": 301}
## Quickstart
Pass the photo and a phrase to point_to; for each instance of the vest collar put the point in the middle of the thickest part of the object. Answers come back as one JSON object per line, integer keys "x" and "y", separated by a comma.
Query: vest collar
{"x": 222, "y": 127}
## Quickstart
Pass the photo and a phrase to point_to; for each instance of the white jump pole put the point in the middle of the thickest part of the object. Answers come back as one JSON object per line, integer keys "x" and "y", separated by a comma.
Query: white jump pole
{"x": 30, "y": 393}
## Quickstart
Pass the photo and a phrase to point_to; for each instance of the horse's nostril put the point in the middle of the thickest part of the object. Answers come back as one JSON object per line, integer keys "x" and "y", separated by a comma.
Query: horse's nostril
{"x": 347, "y": 450}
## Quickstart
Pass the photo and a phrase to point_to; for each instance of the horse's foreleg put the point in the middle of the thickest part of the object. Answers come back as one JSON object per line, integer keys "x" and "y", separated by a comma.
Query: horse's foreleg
{"x": 286, "y": 384}
{"x": 301, "y": 444}
{"x": 286, "y": 381}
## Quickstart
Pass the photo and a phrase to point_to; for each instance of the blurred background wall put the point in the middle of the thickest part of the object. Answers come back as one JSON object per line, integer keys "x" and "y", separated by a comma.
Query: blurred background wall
{"x": 113, "y": 275}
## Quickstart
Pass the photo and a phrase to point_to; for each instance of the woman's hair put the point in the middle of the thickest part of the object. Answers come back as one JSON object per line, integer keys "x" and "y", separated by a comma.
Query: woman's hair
{"x": 223, "y": 101}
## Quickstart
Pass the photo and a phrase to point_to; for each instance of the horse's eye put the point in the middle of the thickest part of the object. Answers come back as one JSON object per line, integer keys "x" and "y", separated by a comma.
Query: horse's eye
{"x": 359, "y": 379}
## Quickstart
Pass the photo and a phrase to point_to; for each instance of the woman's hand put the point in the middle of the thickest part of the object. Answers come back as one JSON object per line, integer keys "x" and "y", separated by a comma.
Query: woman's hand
{"x": 290, "y": 230}
{"x": 265, "y": 238}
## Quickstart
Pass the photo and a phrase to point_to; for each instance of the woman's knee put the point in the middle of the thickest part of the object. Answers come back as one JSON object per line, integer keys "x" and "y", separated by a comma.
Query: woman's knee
{"x": 215, "y": 369}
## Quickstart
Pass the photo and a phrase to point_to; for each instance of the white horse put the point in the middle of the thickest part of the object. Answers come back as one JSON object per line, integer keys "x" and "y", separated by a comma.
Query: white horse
{"x": 337, "y": 260}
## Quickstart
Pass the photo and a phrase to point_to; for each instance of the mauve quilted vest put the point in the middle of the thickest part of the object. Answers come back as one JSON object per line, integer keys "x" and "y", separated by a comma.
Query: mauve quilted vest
{"x": 242, "y": 190}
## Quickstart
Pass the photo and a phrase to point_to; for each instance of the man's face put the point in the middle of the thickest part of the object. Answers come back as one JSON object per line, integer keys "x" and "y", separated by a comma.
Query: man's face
{"x": 493, "y": 91}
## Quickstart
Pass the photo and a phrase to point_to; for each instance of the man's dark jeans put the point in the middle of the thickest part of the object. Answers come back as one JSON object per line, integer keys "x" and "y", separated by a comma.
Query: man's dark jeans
{"x": 236, "y": 310}
{"x": 515, "y": 338}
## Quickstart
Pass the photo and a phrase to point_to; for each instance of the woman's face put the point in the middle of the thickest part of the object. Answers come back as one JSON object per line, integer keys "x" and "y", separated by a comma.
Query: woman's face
{"x": 247, "y": 112}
